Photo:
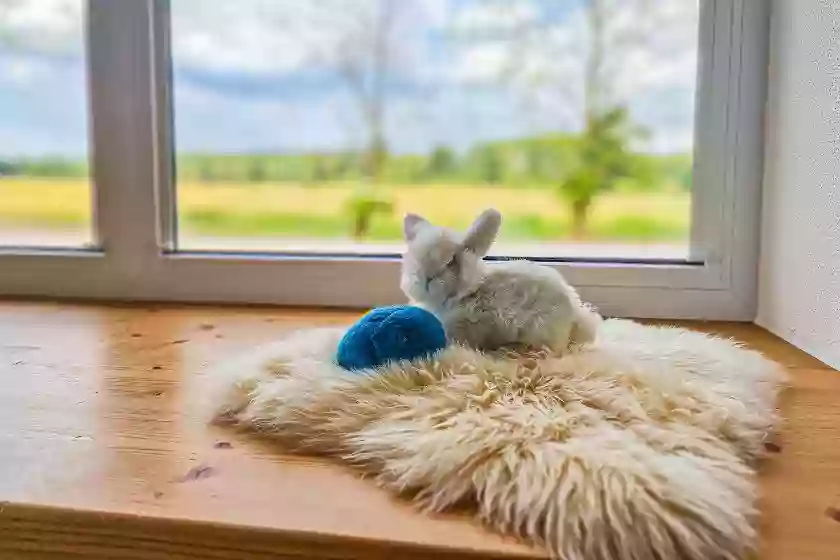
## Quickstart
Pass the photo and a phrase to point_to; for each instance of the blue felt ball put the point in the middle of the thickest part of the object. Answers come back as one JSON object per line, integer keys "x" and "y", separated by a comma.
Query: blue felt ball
{"x": 390, "y": 334}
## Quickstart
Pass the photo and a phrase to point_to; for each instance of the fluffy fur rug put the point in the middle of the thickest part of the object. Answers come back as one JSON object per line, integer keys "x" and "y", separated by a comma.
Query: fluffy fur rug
{"x": 639, "y": 447}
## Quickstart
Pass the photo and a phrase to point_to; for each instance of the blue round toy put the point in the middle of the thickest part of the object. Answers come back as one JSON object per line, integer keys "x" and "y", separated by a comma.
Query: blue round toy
{"x": 390, "y": 334}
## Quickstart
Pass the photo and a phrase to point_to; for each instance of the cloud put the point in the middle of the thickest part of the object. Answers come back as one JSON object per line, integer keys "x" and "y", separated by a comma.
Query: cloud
{"x": 210, "y": 121}
{"x": 650, "y": 53}
{"x": 284, "y": 36}
{"x": 481, "y": 64}
{"x": 644, "y": 48}
{"x": 43, "y": 94}
{"x": 50, "y": 27}
{"x": 43, "y": 107}
{"x": 247, "y": 36}
{"x": 242, "y": 37}
{"x": 244, "y": 71}
{"x": 22, "y": 72}
{"x": 493, "y": 17}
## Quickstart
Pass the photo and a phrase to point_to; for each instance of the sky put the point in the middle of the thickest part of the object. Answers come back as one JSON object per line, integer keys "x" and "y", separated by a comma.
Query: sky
{"x": 295, "y": 75}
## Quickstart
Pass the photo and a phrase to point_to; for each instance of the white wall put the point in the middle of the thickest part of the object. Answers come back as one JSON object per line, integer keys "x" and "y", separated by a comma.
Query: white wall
{"x": 799, "y": 276}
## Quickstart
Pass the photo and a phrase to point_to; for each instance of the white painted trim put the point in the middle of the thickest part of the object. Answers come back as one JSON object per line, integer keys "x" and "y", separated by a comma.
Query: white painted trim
{"x": 122, "y": 125}
{"x": 827, "y": 355}
{"x": 344, "y": 283}
{"x": 702, "y": 200}
{"x": 748, "y": 155}
{"x": 161, "y": 88}
{"x": 135, "y": 202}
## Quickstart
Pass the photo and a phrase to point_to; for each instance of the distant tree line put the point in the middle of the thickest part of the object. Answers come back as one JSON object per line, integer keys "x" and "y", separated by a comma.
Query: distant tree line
{"x": 577, "y": 167}
{"x": 544, "y": 161}
{"x": 43, "y": 167}
{"x": 535, "y": 162}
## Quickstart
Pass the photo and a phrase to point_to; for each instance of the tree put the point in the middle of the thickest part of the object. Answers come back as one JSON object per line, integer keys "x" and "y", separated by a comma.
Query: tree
{"x": 206, "y": 170}
{"x": 359, "y": 43}
{"x": 583, "y": 69}
{"x": 256, "y": 170}
{"x": 356, "y": 42}
{"x": 363, "y": 60}
{"x": 320, "y": 169}
{"x": 346, "y": 165}
{"x": 7, "y": 168}
{"x": 604, "y": 146}
{"x": 363, "y": 205}
{"x": 442, "y": 162}
{"x": 604, "y": 158}
{"x": 490, "y": 164}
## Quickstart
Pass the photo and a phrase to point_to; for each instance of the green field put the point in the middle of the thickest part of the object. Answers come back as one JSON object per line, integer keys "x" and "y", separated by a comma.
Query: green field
{"x": 306, "y": 211}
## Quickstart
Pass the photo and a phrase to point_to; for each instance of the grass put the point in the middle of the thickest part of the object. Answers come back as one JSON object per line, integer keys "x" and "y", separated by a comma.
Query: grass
{"x": 294, "y": 211}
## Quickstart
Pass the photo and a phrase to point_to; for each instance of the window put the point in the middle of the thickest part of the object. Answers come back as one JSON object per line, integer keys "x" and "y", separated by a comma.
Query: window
{"x": 314, "y": 126}
{"x": 45, "y": 189}
{"x": 264, "y": 151}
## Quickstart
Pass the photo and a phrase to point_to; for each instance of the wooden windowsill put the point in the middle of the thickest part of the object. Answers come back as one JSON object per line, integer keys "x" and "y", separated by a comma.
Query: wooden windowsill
{"x": 103, "y": 415}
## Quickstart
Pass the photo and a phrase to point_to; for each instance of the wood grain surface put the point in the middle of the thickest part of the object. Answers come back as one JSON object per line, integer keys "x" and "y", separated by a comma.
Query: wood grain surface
{"x": 105, "y": 452}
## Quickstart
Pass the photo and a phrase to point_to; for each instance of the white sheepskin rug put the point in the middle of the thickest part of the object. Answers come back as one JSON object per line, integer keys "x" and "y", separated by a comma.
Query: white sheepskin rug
{"x": 641, "y": 446}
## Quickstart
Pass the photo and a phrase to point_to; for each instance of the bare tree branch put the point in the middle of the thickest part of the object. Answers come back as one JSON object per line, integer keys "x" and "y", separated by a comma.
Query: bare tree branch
{"x": 355, "y": 41}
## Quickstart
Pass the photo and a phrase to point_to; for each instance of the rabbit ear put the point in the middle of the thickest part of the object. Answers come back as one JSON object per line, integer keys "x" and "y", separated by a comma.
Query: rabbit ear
{"x": 483, "y": 232}
{"x": 412, "y": 223}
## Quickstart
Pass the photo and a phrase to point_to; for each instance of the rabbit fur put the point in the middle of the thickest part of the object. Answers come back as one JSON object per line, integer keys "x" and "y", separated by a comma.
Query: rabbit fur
{"x": 489, "y": 306}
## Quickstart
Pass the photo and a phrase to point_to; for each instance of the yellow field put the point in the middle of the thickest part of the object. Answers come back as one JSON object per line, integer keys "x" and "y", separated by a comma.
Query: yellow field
{"x": 283, "y": 209}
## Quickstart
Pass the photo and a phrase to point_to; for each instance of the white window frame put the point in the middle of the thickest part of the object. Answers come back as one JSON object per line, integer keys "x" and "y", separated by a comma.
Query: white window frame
{"x": 131, "y": 132}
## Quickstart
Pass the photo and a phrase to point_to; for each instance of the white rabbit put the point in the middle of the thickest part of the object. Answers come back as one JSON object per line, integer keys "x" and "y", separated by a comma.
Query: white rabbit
{"x": 489, "y": 306}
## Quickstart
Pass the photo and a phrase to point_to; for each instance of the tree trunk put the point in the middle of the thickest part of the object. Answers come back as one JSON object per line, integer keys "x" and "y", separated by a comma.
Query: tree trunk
{"x": 580, "y": 216}
{"x": 361, "y": 226}
{"x": 377, "y": 150}
{"x": 594, "y": 85}
{"x": 375, "y": 156}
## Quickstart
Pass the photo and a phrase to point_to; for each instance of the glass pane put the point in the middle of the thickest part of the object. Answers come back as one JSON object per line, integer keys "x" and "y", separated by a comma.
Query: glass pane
{"x": 315, "y": 125}
{"x": 45, "y": 189}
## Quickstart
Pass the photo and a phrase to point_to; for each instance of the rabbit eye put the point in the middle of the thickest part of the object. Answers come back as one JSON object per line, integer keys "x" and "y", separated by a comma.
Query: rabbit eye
{"x": 453, "y": 262}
